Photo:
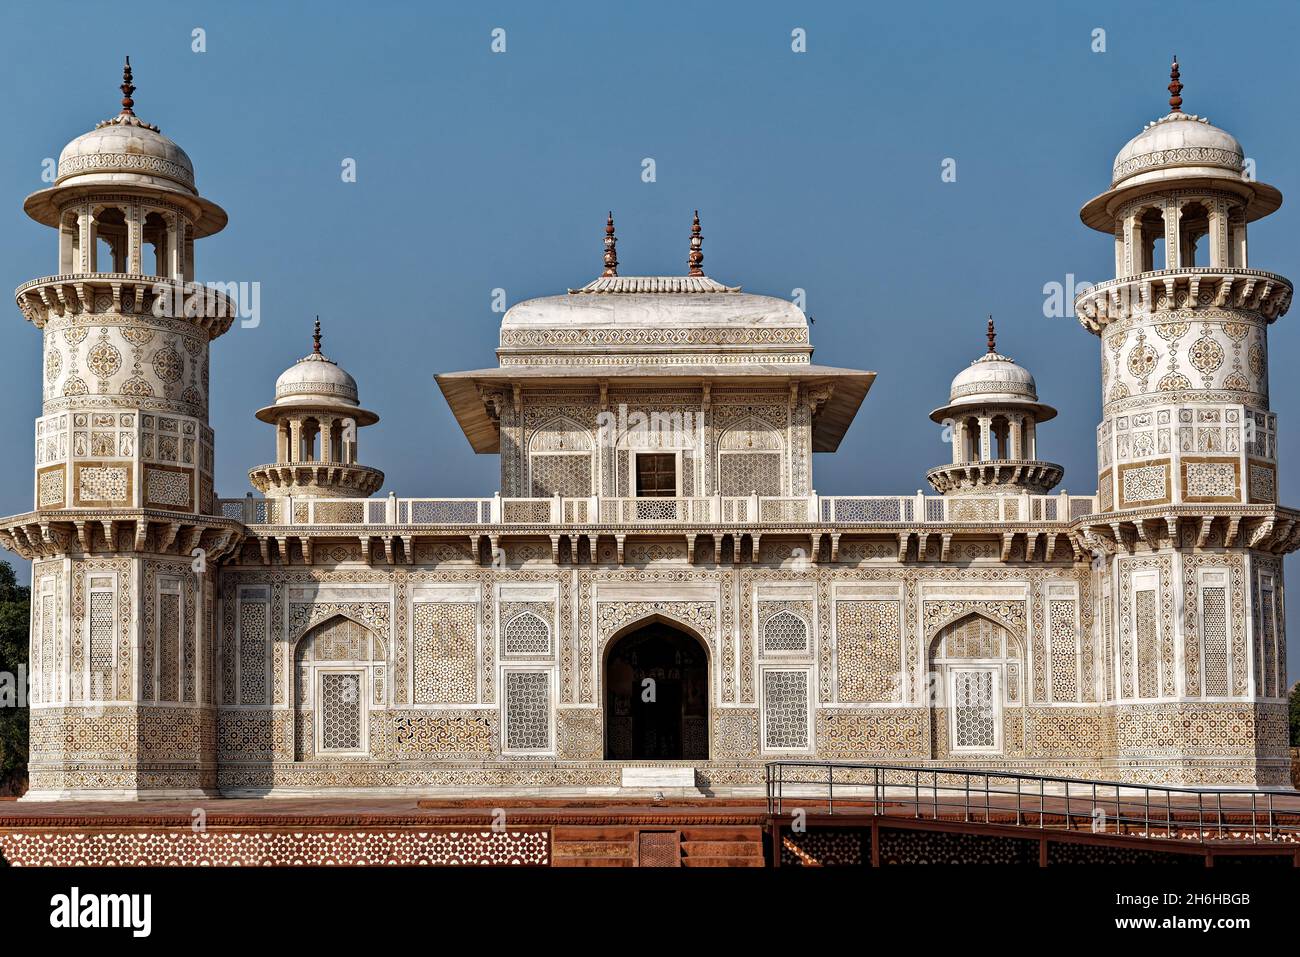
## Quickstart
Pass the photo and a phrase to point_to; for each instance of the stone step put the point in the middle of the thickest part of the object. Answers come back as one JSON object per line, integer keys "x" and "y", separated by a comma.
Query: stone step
{"x": 723, "y": 861}
{"x": 591, "y": 862}
{"x": 723, "y": 849}
{"x": 592, "y": 849}
{"x": 578, "y": 833}
{"x": 722, "y": 833}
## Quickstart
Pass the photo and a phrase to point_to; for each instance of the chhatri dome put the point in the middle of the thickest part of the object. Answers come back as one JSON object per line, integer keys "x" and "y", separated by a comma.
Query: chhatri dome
{"x": 993, "y": 413}
{"x": 1179, "y": 149}
{"x": 125, "y": 153}
{"x": 315, "y": 380}
{"x": 316, "y": 414}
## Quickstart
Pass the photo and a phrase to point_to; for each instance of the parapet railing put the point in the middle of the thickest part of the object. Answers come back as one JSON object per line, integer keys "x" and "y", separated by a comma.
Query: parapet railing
{"x": 1033, "y": 801}
{"x": 716, "y": 509}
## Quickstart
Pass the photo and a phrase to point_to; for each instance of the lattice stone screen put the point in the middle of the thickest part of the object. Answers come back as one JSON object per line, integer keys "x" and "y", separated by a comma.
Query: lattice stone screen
{"x": 785, "y": 710}
{"x": 169, "y": 639}
{"x": 1214, "y": 622}
{"x": 527, "y": 634}
{"x": 785, "y": 632}
{"x": 568, "y": 476}
{"x": 974, "y": 714}
{"x": 340, "y": 711}
{"x": 743, "y": 473}
{"x": 101, "y": 641}
{"x": 528, "y": 711}
{"x": 1148, "y": 655}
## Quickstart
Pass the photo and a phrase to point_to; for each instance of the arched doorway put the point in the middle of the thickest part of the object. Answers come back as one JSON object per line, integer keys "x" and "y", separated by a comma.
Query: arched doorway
{"x": 656, "y": 696}
{"x": 338, "y": 680}
{"x": 977, "y": 666}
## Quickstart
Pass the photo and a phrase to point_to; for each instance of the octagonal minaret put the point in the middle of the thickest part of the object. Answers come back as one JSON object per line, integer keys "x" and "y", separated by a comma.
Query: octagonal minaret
{"x": 1184, "y": 325}
{"x": 122, "y": 537}
{"x": 316, "y": 415}
{"x": 993, "y": 413}
{"x": 1188, "y": 536}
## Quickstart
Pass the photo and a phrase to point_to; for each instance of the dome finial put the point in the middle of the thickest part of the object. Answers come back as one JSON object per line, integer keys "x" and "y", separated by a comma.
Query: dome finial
{"x": 611, "y": 256}
{"x": 1175, "y": 88}
{"x": 315, "y": 338}
{"x": 993, "y": 337}
{"x": 127, "y": 89}
{"x": 697, "y": 244}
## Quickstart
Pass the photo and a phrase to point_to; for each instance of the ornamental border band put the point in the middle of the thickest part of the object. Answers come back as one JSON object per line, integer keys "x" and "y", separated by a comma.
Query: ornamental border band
{"x": 657, "y": 586}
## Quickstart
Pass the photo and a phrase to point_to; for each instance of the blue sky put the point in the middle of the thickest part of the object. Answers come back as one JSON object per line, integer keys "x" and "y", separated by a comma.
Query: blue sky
{"x": 478, "y": 170}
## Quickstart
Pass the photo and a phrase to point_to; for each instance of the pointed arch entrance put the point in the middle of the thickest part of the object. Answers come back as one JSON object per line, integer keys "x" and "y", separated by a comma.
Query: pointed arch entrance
{"x": 338, "y": 679}
{"x": 977, "y": 668}
{"x": 656, "y": 694}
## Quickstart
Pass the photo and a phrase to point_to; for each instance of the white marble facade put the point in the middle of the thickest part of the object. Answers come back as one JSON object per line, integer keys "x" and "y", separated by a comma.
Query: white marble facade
{"x": 657, "y": 516}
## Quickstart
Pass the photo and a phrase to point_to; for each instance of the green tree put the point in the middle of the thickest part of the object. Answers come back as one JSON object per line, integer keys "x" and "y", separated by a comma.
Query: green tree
{"x": 15, "y": 615}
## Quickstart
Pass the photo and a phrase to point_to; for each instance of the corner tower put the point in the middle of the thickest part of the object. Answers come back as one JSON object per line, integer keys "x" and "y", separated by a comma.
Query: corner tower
{"x": 122, "y": 539}
{"x": 1189, "y": 541}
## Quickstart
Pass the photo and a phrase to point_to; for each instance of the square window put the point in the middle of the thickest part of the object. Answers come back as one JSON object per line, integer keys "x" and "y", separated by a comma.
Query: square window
{"x": 656, "y": 474}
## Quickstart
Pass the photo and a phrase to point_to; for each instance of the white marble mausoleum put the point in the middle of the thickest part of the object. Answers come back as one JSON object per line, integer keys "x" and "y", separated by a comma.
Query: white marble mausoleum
{"x": 656, "y": 583}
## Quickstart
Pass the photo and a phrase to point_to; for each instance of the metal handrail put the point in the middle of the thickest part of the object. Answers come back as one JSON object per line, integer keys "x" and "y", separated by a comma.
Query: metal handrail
{"x": 918, "y": 793}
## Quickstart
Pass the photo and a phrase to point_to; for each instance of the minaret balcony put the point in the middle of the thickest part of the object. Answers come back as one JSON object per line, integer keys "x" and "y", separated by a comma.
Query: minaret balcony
{"x": 1192, "y": 288}
{"x": 209, "y": 306}
{"x": 996, "y": 476}
{"x": 307, "y": 480}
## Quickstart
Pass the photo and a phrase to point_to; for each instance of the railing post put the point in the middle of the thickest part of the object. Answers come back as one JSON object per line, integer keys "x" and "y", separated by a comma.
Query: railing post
{"x": 390, "y": 509}
{"x": 494, "y": 513}
{"x": 753, "y": 505}
{"x": 593, "y": 504}
{"x": 557, "y": 509}
{"x": 287, "y": 517}
{"x": 919, "y": 507}
{"x": 814, "y": 513}
{"x": 250, "y": 514}
{"x": 830, "y": 789}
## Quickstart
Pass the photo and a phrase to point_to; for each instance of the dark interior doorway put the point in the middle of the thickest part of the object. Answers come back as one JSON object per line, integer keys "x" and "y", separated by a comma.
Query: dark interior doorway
{"x": 656, "y": 696}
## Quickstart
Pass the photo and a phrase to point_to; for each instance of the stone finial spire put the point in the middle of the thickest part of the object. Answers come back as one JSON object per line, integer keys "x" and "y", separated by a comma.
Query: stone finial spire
{"x": 315, "y": 339}
{"x": 1175, "y": 89}
{"x": 697, "y": 243}
{"x": 611, "y": 255}
{"x": 127, "y": 89}
{"x": 993, "y": 337}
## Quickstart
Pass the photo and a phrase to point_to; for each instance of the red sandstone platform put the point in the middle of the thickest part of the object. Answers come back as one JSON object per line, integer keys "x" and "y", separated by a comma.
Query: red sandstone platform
{"x": 599, "y": 832}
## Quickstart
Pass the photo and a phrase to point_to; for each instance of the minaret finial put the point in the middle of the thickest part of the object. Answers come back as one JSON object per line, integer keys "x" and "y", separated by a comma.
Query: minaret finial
{"x": 127, "y": 89}
{"x": 315, "y": 338}
{"x": 611, "y": 256}
{"x": 697, "y": 244}
{"x": 993, "y": 337}
{"x": 1175, "y": 88}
